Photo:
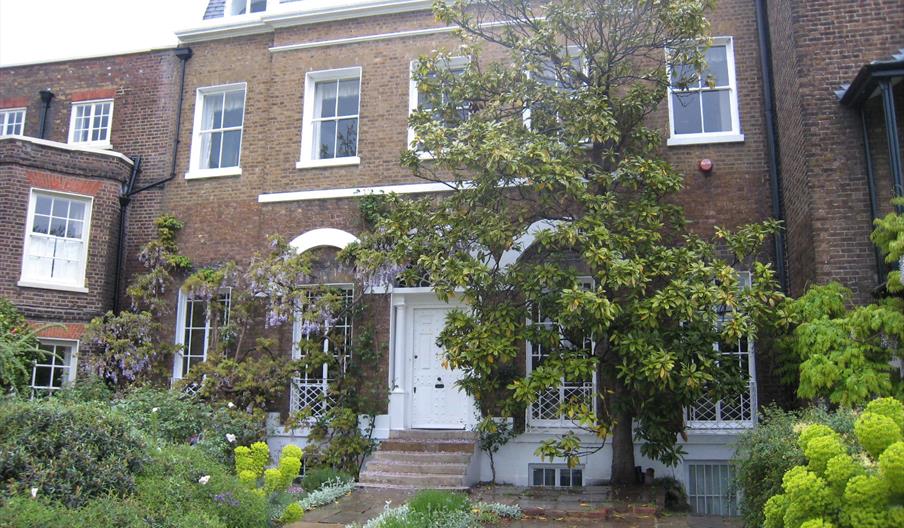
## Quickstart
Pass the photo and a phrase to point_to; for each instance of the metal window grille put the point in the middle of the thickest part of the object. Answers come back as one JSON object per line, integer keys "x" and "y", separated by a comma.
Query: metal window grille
{"x": 710, "y": 490}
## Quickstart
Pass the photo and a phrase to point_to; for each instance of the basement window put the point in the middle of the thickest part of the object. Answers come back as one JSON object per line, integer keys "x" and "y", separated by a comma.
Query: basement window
{"x": 54, "y": 367}
{"x": 556, "y": 476}
{"x": 710, "y": 490}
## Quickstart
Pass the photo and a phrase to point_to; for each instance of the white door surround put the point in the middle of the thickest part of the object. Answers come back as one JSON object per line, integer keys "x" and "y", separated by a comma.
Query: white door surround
{"x": 424, "y": 393}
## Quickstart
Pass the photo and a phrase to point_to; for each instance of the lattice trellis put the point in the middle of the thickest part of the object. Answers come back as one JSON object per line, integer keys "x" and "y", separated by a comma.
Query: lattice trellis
{"x": 549, "y": 404}
{"x": 314, "y": 396}
{"x": 736, "y": 411}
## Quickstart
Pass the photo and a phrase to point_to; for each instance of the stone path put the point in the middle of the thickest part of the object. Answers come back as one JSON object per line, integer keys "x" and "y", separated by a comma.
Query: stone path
{"x": 545, "y": 509}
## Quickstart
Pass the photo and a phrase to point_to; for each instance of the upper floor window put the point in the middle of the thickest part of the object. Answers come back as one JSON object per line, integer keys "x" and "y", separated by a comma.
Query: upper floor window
{"x": 90, "y": 123}
{"x": 331, "y": 111}
{"x": 217, "y": 139}
{"x": 242, "y": 7}
{"x": 197, "y": 321}
{"x": 703, "y": 106}
{"x": 56, "y": 241}
{"x": 12, "y": 122}
{"x": 418, "y": 100}
{"x": 54, "y": 367}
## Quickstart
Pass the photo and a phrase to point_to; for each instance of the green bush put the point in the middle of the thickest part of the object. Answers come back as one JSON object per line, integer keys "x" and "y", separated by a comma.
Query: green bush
{"x": 71, "y": 453}
{"x": 18, "y": 348}
{"x": 314, "y": 478}
{"x": 433, "y": 501}
{"x": 836, "y": 489}
{"x": 766, "y": 452}
{"x": 86, "y": 389}
{"x": 24, "y": 512}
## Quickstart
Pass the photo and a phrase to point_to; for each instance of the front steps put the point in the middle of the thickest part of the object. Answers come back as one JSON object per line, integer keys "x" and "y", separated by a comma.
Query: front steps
{"x": 420, "y": 459}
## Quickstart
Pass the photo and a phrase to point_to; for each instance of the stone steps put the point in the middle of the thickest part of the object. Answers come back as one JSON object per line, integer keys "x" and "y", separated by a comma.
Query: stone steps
{"x": 420, "y": 459}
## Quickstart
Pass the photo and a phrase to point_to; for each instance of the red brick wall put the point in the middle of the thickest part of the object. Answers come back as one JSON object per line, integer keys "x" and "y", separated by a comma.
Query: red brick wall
{"x": 818, "y": 45}
{"x": 97, "y": 175}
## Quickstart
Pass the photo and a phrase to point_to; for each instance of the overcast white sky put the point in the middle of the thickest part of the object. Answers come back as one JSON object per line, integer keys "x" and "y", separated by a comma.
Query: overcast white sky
{"x": 45, "y": 30}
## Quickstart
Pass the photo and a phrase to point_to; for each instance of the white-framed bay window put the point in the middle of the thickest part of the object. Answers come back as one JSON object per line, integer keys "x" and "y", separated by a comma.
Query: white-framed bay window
{"x": 12, "y": 122}
{"x": 55, "y": 253}
{"x": 55, "y": 367}
{"x": 90, "y": 123}
{"x": 706, "y": 110}
{"x": 216, "y": 147}
{"x": 195, "y": 325}
{"x": 331, "y": 118}
{"x": 417, "y": 100}
{"x": 547, "y": 409}
{"x": 310, "y": 388}
{"x": 737, "y": 411}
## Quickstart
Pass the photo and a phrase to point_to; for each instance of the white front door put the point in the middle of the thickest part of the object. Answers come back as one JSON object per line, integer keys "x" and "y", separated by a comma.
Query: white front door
{"x": 437, "y": 402}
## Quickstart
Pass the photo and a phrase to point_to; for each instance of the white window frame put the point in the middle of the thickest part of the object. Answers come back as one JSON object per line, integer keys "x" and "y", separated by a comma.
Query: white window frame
{"x": 451, "y": 63}
{"x": 69, "y": 365}
{"x": 306, "y": 160}
{"x": 696, "y": 499}
{"x": 230, "y": 5}
{"x": 195, "y": 171}
{"x": 30, "y": 281}
{"x": 745, "y": 279}
{"x": 320, "y": 386}
{"x": 558, "y": 468}
{"x": 5, "y": 117}
{"x": 561, "y": 422}
{"x": 102, "y": 144}
{"x": 731, "y": 136}
{"x": 180, "y": 329}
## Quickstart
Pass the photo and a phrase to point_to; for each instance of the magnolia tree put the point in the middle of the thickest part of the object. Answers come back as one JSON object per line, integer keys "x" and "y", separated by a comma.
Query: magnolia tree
{"x": 545, "y": 125}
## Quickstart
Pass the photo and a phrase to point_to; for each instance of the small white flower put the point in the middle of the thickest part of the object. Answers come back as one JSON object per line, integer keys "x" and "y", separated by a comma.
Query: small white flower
{"x": 34, "y": 493}
{"x": 230, "y": 405}
{"x": 230, "y": 438}
{"x": 155, "y": 409}
{"x": 204, "y": 479}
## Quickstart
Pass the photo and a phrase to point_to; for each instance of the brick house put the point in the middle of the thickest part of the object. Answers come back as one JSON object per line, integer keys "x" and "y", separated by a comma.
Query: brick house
{"x": 77, "y": 137}
{"x": 292, "y": 110}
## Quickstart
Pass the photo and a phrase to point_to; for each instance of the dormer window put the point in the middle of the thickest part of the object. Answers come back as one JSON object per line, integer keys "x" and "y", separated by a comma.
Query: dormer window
{"x": 243, "y": 7}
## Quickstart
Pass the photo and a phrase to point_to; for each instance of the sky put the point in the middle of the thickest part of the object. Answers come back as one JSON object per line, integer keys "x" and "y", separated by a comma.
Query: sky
{"x": 47, "y": 30}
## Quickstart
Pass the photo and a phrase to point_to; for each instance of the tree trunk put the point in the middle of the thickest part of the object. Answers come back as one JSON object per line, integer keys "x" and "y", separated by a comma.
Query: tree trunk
{"x": 623, "y": 449}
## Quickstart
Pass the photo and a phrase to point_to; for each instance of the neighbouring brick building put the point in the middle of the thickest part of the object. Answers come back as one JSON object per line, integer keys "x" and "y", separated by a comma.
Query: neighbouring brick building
{"x": 71, "y": 136}
{"x": 268, "y": 81}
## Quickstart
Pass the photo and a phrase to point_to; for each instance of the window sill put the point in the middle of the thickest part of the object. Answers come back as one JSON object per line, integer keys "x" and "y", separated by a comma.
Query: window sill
{"x": 704, "y": 139}
{"x": 106, "y": 145}
{"x": 198, "y": 174}
{"x": 51, "y": 286}
{"x": 333, "y": 162}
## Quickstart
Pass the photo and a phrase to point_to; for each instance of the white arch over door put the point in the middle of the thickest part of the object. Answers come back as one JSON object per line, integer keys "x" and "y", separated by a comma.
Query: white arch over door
{"x": 326, "y": 236}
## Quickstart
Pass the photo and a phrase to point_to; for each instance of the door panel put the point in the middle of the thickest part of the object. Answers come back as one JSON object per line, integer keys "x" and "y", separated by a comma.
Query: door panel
{"x": 437, "y": 402}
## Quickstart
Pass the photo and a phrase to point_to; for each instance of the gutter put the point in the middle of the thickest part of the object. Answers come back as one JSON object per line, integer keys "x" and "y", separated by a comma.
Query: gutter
{"x": 775, "y": 176}
{"x": 126, "y": 198}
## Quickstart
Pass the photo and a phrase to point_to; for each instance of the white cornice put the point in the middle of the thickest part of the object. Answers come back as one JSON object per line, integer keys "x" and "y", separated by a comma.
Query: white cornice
{"x": 226, "y": 27}
{"x": 67, "y": 146}
{"x": 363, "y": 38}
{"x": 357, "y": 192}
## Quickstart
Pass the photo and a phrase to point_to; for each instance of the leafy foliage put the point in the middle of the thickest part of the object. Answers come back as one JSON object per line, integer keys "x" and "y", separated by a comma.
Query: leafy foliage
{"x": 18, "y": 349}
{"x": 843, "y": 491}
{"x": 271, "y": 483}
{"x": 70, "y": 453}
{"x": 588, "y": 172}
{"x": 889, "y": 236}
{"x": 764, "y": 454}
{"x": 845, "y": 355}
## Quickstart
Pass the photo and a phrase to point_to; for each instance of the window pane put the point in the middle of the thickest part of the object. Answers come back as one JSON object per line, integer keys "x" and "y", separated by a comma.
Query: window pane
{"x": 74, "y": 230}
{"x": 41, "y": 224}
{"x": 58, "y": 227}
{"x": 235, "y": 106}
{"x": 684, "y": 73}
{"x": 686, "y": 113}
{"x": 549, "y": 477}
{"x": 325, "y": 140}
{"x": 538, "y": 477}
{"x": 238, "y": 7}
{"x": 258, "y": 6}
{"x": 212, "y": 116}
{"x": 577, "y": 477}
{"x": 60, "y": 208}
{"x": 348, "y": 97}
{"x": 716, "y": 111}
{"x": 77, "y": 210}
{"x": 42, "y": 376}
{"x": 347, "y": 141}
{"x": 716, "y": 73}
{"x": 232, "y": 144}
{"x": 212, "y": 146}
{"x": 565, "y": 478}
{"x": 325, "y": 99}
{"x": 198, "y": 314}
{"x": 42, "y": 205}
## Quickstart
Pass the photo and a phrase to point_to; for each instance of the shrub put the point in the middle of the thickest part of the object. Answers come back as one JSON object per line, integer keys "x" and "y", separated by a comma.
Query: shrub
{"x": 836, "y": 489}
{"x": 328, "y": 493}
{"x": 86, "y": 389}
{"x": 766, "y": 452}
{"x": 18, "y": 348}
{"x": 315, "y": 478}
{"x": 71, "y": 453}
{"x": 24, "y": 512}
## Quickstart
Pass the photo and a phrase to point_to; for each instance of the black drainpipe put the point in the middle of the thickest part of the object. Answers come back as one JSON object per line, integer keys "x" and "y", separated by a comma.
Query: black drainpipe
{"x": 775, "y": 177}
{"x": 871, "y": 185}
{"x": 46, "y": 96}
{"x": 126, "y": 198}
{"x": 124, "y": 201}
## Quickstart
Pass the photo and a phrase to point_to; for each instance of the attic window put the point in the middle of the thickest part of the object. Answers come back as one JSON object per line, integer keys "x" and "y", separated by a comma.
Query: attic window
{"x": 243, "y": 7}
